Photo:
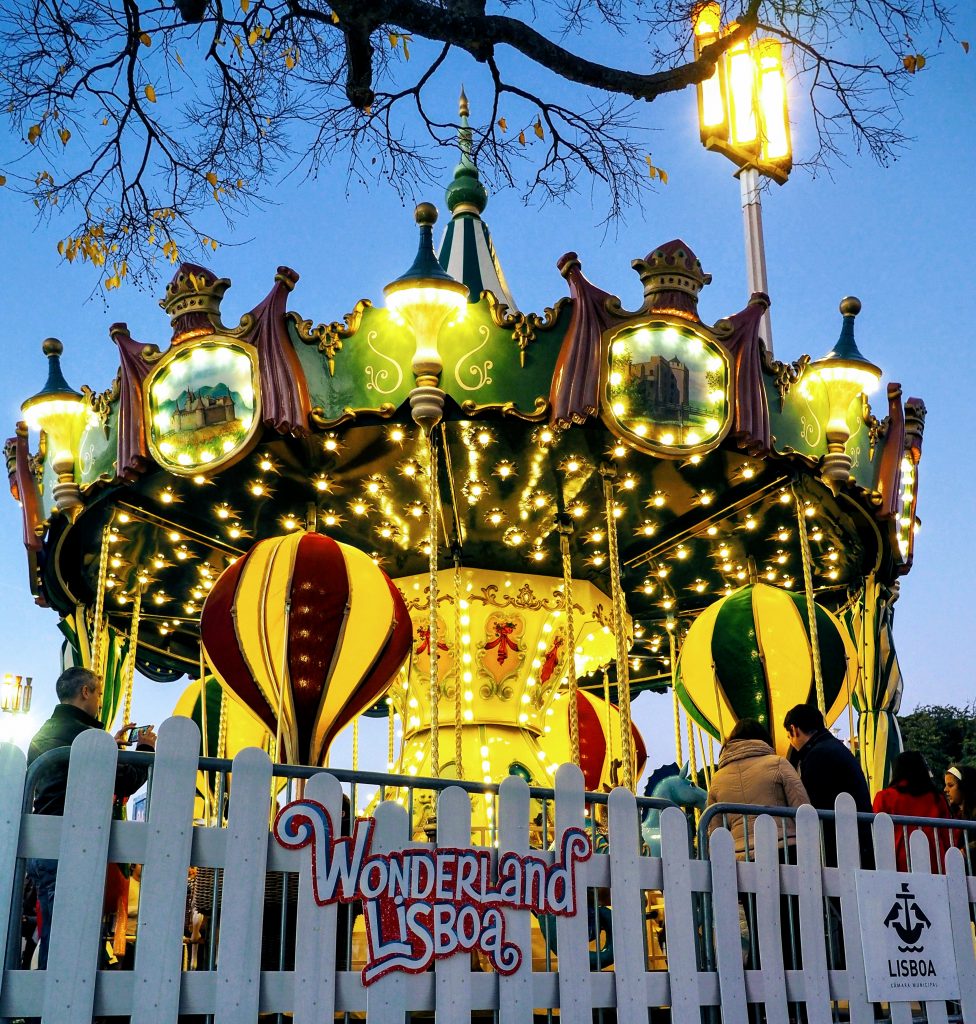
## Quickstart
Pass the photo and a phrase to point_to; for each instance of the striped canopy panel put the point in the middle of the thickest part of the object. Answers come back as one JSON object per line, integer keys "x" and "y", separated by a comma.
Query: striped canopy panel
{"x": 468, "y": 255}
{"x": 749, "y": 655}
{"x": 877, "y": 697}
{"x": 307, "y": 627}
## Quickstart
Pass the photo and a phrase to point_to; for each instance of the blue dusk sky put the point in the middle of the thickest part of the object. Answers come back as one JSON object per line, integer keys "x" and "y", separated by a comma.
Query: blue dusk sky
{"x": 899, "y": 238}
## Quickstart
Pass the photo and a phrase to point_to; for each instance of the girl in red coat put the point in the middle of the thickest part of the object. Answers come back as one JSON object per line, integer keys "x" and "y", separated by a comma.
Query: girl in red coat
{"x": 912, "y": 792}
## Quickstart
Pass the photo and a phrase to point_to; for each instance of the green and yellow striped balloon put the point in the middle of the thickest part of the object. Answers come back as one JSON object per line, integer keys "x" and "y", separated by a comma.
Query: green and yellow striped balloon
{"x": 749, "y": 655}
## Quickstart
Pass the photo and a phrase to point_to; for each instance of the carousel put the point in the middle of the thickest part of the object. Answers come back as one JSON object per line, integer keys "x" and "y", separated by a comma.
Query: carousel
{"x": 493, "y": 527}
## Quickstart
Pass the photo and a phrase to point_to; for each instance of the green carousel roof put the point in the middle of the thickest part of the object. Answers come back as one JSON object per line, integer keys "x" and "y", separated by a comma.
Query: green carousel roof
{"x": 700, "y": 447}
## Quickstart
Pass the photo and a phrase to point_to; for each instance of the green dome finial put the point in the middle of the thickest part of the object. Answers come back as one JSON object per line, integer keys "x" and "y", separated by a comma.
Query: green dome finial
{"x": 466, "y": 194}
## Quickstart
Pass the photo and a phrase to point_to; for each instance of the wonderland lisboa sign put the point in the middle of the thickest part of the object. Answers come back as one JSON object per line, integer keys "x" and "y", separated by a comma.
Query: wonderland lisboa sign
{"x": 421, "y": 905}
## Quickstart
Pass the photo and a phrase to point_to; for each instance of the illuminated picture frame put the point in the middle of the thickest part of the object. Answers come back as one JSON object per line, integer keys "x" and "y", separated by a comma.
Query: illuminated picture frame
{"x": 203, "y": 405}
{"x": 666, "y": 387}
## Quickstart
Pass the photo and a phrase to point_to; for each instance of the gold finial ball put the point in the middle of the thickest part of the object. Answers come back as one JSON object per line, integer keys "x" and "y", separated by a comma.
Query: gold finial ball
{"x": 850, "y": 306}
{"x": 52, "y": 347}
{"x": 425, "y": 215}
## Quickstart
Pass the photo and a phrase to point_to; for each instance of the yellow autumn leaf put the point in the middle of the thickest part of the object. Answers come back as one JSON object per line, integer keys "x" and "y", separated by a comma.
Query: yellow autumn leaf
{"x": 104, "y": 120}
{"x": 3, "y": 180}
{"x": 254, "y": 35}
{"x": 112, "y": 282}
{"x": 406, "y": 49}
{"x": 540, "y": 133}
{"x": 179, "y": 59}
{"x": 213, "y": 244}
{"x": 289, "y": 61}
{"x": 245, "y": 4}
{"x": 33, "y": 133}
{"x": 145, "y": 38}
{"x": 240, "y": 183}
{"x": 919, "y": 62}
{"x": 335, "y": 18}
{"x": 503, "y": 124}
{"x": 64, "y": 135}
{"x": 663, "y": 175}
{"x": 61, "y": 247}
{"x": 522, "y": 138}
{"x": 964, "y": 43}
{"x": 909, "y": 62}
{"x": 212, "y": 178}
{"x": 150, "y": 94}
{"x": 123, "y": 269}
{"x": 394, "y": 39}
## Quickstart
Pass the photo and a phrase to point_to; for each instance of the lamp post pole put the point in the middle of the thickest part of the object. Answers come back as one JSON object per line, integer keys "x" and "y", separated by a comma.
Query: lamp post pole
{"x": 752, "y": 228}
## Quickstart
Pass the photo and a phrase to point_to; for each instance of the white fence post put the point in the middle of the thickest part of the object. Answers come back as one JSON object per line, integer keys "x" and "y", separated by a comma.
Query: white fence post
{"x": 515, "y": 995}
{"x": 13, "y": 766}
{"x": 728, "y": 936}
{"x": 572, "y": 933}
{"x": 849, "y": 855}
{"x": 243, "y": 881}
{"x": 452, "y": 976}
{"x": 679, "y": 916}
{"x": 162, "y": 894}
{"x": 960, "y": 908}
{"x": 920, "y": 858}
{"x": 813, "y": 941}
{"x": 627, "y": 915}
{"x": 883, "y": 835}
{"x": 69, "y": 991}
{"x": 315, "y": 953}
{"x": 386, "y": 998}
{"x": 769, "y": 918}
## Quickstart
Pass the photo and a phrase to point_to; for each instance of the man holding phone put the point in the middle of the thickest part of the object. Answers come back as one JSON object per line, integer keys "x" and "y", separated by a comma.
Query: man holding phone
{"x": 80, "y": 693}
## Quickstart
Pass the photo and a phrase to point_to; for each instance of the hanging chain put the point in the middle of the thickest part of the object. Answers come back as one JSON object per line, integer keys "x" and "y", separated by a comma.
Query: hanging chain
{"x": 222, "y": 726}
{"x": 811, "y": 607}
{"x": 673, "y": 664}
{"x": 96, "y": 654}
{"x": 130, "y": 663}
{"x": 458, "y": 672}
{"x": 609, "y": 716}
{"x": 623, "y": 664}
{"x": 565, "y": 530}
{"x": 433, "y": 506}
{"x": 389, "y": 736}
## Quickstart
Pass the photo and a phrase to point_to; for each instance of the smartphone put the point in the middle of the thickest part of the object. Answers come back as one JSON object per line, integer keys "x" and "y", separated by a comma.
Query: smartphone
{"x": 132, "y": 736}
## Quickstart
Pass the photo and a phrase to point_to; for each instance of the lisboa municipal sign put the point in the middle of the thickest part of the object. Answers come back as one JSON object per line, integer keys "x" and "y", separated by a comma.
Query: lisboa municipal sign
{"x": 906, "y": 937}
{"x": 420, "y": 905}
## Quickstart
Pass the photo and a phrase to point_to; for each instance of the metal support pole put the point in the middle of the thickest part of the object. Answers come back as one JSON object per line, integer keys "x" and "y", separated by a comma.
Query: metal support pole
{"x": 755, "y": 246}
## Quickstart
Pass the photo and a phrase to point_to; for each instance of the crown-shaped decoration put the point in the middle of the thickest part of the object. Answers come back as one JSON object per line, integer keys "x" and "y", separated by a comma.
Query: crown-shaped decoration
{"x": 672, "y": 277}
{"x": 192, "y": 301}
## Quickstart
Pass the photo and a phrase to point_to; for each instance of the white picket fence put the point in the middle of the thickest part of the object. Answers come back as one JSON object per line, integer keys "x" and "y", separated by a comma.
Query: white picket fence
{"x": 157, "y": 990}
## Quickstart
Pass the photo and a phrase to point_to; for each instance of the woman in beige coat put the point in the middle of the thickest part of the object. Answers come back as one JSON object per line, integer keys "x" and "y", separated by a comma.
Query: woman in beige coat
{"x": 751, "y": 772}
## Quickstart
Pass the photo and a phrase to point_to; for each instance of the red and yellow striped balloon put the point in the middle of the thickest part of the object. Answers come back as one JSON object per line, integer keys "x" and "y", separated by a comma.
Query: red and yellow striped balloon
{"x": 307, "y": 625}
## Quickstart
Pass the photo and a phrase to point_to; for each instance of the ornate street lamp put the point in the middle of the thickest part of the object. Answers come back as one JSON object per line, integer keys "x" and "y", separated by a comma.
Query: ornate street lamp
{"x": 742, "y": 113}
{"x": 60, "y": 414}
{"x": 425, "y": 298}
{"x": 845, "y": 375}
{"x": 15, "y": 694}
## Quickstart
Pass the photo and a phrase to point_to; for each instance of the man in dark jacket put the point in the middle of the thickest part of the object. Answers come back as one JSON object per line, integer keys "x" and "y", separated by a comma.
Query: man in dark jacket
{"x": 80, "y": 692}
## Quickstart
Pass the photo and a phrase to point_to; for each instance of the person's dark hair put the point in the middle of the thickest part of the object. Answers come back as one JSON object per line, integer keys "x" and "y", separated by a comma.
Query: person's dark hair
{"x": 750, "y": 729}
{"x": 71, "y": 681}
{"x": 805, "y": 717}
{"x": 966, "y": 779}
{"x": 910, "y": 773}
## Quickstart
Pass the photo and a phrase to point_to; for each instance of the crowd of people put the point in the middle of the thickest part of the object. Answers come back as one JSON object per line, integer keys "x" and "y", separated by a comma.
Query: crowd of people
{"x": 821, "y": 767}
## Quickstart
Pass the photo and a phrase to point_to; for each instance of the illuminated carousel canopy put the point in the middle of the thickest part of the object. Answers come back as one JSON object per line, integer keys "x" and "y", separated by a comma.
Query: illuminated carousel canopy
{"x": 712, "y": 462}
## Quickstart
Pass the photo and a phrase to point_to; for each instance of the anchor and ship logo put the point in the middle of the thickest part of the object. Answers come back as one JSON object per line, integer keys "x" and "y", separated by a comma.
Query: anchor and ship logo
{"x": 908, "y": 920}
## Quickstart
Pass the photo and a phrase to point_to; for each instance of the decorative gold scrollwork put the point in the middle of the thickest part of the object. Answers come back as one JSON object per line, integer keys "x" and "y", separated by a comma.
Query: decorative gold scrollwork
{"x": 319, "y": 420}
{"x": 524, "y": 326}
{"x": 539, "y": 412}
{"x": 101, "y": 403}
{"x": 328, "y": 338}
{"x": 785, "y": 375}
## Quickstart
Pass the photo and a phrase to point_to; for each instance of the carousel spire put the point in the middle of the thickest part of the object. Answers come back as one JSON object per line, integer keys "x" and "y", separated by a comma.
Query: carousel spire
{"x": 467, "y": 251}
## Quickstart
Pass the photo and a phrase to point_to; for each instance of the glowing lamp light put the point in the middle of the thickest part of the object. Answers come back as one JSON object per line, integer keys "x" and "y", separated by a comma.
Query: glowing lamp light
{"x": 60, "y": 413}
{"x": 15, "y": 694}
{"x": 845, "y": 376}
{"x": 711, "y": 92}
{"x": 425, "y": 298}
{"x": 776, "y": 144}
{"x": 743, "y": 121}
